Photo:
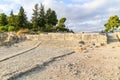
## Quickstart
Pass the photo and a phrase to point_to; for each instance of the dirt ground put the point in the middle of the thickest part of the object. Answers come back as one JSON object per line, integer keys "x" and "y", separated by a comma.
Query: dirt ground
{"x": 99, "y": 63}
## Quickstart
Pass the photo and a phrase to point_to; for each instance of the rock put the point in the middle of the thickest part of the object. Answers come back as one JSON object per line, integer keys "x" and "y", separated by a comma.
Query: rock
{"x": 98, "y": 44}
{"x": 78, "y": 49}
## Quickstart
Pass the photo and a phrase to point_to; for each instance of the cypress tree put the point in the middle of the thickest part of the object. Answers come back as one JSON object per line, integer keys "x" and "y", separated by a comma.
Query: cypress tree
{"x": 11, "y": 19}
{"x": 51, "y": 17}
{"x": 3, "y": 19}
{"x": 22, "y": 19}
{"x": 35, "y": 21}
{"x": 41, "y": 18}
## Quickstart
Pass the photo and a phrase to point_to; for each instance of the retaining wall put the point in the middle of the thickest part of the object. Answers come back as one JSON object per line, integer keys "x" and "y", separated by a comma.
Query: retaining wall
{"x": 86, "y": 37}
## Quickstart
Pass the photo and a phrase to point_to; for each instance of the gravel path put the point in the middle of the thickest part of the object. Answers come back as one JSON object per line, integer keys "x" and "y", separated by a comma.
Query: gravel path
{"x": 29, "y": 60}
{"x": 55, "y": 60}
{"x": 6, "y": 51}
{"x": 98, "y": 64}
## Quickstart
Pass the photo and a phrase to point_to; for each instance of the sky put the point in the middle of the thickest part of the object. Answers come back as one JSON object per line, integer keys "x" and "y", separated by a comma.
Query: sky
{"x": 82, "y": 15}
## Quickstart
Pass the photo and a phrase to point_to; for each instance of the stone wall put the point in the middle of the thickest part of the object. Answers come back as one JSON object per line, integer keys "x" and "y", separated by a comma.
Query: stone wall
{"x": 86, "y": 37}
{"x": 78, "y": 37}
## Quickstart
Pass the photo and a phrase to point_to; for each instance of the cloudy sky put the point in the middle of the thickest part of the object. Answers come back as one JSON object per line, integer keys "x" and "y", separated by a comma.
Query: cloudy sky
{"x": 82, "y": 15}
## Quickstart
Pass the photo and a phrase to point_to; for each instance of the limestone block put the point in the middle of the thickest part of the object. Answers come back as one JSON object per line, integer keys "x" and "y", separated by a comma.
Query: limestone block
{"x": 69, "y": 36}
{"x": 44, "y": 37}
{"x": 32, "y": 37}
{"x": 57, "y": 36}
{"x": 86, "y": 38}
{"x": 78, "y": 37}
{"x": 102, "y": 39}
{"x": 94, "y": 38}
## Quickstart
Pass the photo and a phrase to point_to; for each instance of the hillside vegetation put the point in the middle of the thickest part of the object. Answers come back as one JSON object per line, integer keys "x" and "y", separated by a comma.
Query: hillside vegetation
{"x": 42, "y": 21}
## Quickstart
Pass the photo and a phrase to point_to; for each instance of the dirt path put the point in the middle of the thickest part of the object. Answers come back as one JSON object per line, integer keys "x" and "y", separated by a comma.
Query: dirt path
{"x": 50, "y": 62}
{"x": 99, "y": 64}
{"x": 7, "y": 51}
{"x": 27, "y": 61}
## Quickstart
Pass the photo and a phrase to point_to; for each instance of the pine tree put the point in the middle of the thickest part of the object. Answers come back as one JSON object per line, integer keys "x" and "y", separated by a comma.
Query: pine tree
{"x": 22, "y": 19}
{"x": 54, "y": 19}
{"x": 51, "y": 17}
{"x": 12, "y": 19}
{"x": 112, "y": 24}
{"x": 3, "y": 19}
{"x": 48, "y": 16}
{"x": 35, "y": 22}
{"x": 41, "y": 18}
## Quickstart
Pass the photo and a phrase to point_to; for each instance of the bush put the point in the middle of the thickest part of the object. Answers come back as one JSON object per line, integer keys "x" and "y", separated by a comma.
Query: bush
{"x": 3, "y": 28}
{"x": 11, "y": 28}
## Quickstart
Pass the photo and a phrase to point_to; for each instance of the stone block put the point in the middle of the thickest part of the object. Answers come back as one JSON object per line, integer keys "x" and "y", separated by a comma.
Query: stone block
{"x": 57, "y": 36}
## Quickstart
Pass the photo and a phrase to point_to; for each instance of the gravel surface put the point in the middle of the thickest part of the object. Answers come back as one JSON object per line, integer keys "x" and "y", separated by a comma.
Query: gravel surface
{"x": 6, "y": 51}
{"x": 55, "y": 60}
{"x": 98, "y": 64}
{"x": 29, "y": 60}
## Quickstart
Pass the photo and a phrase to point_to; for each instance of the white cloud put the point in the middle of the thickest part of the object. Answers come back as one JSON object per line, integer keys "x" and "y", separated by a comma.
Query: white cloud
{"x": 82, "y": 15}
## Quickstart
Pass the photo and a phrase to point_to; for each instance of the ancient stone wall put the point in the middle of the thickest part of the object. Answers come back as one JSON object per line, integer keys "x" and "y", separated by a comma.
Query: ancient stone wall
{"x": 86, "y": 37}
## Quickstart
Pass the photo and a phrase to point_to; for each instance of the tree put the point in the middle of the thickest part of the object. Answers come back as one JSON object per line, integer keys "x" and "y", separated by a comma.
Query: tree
{"x": 61, "y": 26}
{"x": 41, "y": 18}
{"x": 51, "y": 17}
{"x": 3, "y": 19}
{"x": 12, "y": 20}
{"x": 61, "y": 22}
{"x": 112, "y": 24}
{"x": 35, "y": 21}
{"x": 22, "y": 19}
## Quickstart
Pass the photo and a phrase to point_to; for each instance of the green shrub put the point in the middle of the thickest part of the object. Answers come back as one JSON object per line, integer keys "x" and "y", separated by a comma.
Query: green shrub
{"x": 3, "y": 28}
{"x": 11, "y": 28}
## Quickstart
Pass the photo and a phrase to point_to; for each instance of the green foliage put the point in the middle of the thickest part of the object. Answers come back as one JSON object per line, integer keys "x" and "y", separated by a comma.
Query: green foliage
{"x": 61, "y": 26}
{"x": 3, "y": 28}
{"x": 48, "y": 28}
{"x": 11, "y": 28}
{"x": 41, "y": 18}
{"x": 42, "y": 21}
{"x": 12, "y": 19}
{"x": 7, "y": 28}
{"x": 3, "y": 19}
{"x": 112, "y": 24}
{"x": 51, "y": 17}
{"x": 35, "y": 16}
{"x": 22, "y": 19}
{"x": 61, "y": 22}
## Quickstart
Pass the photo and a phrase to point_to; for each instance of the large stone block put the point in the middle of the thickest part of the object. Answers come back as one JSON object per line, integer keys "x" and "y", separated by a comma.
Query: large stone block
{"x": 78, "y": 37}
{"x": 69, "y": 36}
{"x": 32, "y": 37}
{"x": 56, "y": 36}
{"x": 44, "y": 37}
{"x": 94, "y": 38}
{"x": 86, "y": 38}
{"x": 102, "y": 38}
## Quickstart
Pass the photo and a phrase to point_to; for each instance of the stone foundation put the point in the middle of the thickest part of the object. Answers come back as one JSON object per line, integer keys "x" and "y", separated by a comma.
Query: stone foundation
{"x": 90, "y": 38}
{"x": 86, "y": 37}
